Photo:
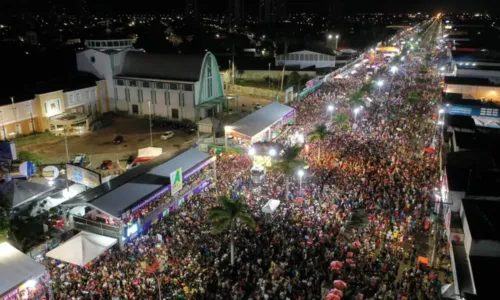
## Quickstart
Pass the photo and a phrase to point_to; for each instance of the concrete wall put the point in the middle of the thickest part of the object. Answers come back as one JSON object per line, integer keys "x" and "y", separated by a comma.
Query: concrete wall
{"x": 261, "y": 74}
{"x": 252, "y": 91}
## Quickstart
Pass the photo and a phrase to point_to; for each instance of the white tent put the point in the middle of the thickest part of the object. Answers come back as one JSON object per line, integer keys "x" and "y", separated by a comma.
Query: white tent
{"x": 16, "y": 268}
{"x": 82, "y": 248}
{"x": 149, "y": 152}
{"x": 270, "y": 206}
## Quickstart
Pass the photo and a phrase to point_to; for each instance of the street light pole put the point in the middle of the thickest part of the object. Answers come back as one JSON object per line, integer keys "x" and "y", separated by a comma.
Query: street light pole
{"x": 67, "y": 155}
{"x": 269, "y": 65}
{"x": 150, "y": 124}
{"x": 301, "y": 174}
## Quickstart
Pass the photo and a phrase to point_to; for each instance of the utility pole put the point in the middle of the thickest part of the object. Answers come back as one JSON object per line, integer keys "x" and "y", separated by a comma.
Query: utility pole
{"x": 284, "y": 65}
{"x": 269, "y": 75}
{"x": 67, "y": 155}
{"x": 232, "y": 66}
{"x": 150, "y": 124}
{"x": 33, "y": 122}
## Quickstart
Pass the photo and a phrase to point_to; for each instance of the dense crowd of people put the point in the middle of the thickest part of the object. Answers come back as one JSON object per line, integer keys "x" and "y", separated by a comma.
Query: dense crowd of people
{"x": 352, "y": 224}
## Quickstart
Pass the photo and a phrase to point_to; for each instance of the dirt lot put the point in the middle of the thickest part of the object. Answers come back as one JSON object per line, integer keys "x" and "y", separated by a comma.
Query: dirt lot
{"x": 99, "y": 144}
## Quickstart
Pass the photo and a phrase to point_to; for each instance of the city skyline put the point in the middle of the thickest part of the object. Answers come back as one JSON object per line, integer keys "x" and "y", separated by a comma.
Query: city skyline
{"x": 250, "y": 7}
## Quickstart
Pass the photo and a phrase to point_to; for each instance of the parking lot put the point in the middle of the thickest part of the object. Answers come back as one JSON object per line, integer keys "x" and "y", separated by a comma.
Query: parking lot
{"x": 99, "y": 145}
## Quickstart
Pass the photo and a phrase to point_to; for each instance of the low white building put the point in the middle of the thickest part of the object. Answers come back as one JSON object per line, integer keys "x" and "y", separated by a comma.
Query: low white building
{"x": 306, "y": 58}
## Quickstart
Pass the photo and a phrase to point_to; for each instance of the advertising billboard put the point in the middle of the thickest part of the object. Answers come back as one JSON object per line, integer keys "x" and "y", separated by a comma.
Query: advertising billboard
{"x": 176, "y": 181}
{"x": 83, "y": 176}
{"x": 8, "y": 150}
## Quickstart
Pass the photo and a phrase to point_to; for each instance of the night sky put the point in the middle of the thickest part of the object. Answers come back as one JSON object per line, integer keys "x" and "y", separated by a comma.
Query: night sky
{"x": 213, "y": 6}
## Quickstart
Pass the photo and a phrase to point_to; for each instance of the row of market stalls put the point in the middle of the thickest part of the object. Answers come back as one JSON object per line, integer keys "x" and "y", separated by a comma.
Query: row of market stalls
{"x": 262, "y": 125}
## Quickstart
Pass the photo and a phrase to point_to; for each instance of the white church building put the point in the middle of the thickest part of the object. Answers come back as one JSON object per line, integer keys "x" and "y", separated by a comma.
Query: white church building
{"x": 175, "y": 86}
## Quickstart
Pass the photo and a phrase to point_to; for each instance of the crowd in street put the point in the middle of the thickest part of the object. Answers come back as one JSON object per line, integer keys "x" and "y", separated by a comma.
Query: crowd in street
{"x": 360, "y": 218}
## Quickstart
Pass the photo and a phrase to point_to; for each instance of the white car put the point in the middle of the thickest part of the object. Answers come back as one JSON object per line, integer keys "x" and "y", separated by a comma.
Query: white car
{"x": 167, "y": 135}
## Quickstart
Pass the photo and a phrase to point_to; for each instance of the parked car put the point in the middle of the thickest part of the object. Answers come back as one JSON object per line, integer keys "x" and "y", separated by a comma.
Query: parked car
{"x": 118, "y": 139}
{"x": 106, "y": 164}
{"x": 79, "y": 160}
{"x": 167, "y": 135}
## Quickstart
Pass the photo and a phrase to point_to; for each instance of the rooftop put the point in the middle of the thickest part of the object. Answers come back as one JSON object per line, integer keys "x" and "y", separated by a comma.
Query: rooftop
{"x": 69, "y": 82}
{"x": 179, "y": 67}
{"x": 121, "y": 193}
{"x": 482, "y": 217}
{"x": 261, "y": 119}
{"x": 484, "y": 183}
{"x": 16, "y": 268}
{"x": 476, "y": 56}
{"x": 468, "y": 81}
{"x": 481, "y": 267}
{"x": 458, "y": 121}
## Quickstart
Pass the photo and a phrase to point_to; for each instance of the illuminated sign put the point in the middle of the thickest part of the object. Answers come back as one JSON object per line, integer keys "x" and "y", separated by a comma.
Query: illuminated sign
{"x": 83, "y": 176}
{"x": 176, "y": 181}
{"x": 132, "y": 229}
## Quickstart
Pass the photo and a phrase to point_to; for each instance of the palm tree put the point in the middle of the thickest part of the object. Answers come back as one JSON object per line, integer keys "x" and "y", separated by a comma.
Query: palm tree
{"x": 341, "y": 120}
{"x": 320, "y": 133}
{"x": 356, "y": 99}
{"x": 414, "y": 97}
{"x": 288, "y": 163}
{"x": 225, "y": 216}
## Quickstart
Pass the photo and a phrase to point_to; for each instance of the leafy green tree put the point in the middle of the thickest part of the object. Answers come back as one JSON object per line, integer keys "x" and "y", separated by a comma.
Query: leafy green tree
{"x": 5, "y": 216}
{"x": 341, "y": 120}
{"x": 293, "y": 79}
{"x": 319, "y": 134}
{"x": 29, "y": 156}
{"x": 356, "y": 99}
{"x": 367, "y": 87}
{"x": 414, "y": 97}
{"x": 227, "y": 215}
{"x": 288, "y": 163}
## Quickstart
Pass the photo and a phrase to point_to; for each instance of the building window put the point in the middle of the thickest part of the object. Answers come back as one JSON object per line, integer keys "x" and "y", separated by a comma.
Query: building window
{"x": 120, "y": 82}
{"x": 127, "y": 95}
{"x": 139, "y": 96}
{"x": 167, "y": 98}
{"x": 159, "y": 85}
{"x": 32, "y": 129}
{"x": 145, "y": 84}
{"x": 78, "y": 97}
{"x": 135, "y": 109}
{"x": 132, "y": 83}
{"x": 153, "y": 96}
{"x": 19, "y": 129}
{"x": 188, "y": 87}
{"x": 87, "y": 95}
{"x": 175, "y": 113}
{"x": 174, "y": 86}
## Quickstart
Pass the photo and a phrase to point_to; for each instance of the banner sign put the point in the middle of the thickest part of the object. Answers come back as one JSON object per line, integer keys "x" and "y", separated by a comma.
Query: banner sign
{"x": 176, "y": 181}
{"x": 470, "y": 110}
